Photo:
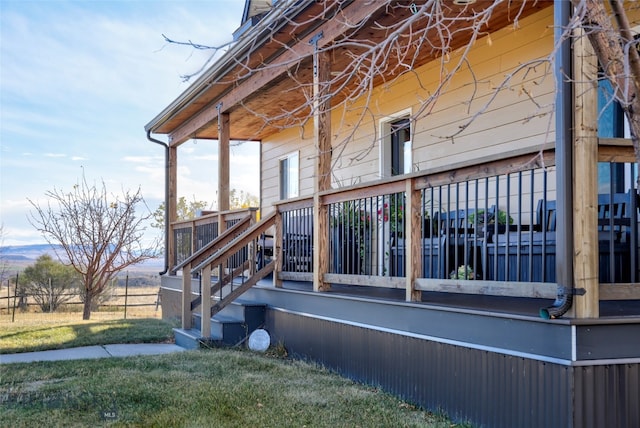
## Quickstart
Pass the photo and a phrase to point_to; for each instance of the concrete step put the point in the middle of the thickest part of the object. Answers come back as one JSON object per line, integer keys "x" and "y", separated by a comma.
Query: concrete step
{"x": 188, "y": 339}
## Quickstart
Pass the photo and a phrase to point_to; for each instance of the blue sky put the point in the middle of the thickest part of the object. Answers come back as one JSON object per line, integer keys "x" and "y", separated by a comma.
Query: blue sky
{"x": 78, "y": 82}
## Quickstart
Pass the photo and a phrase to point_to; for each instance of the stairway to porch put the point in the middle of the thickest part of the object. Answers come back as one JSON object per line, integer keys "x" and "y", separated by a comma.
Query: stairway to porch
{"x": 229, "y": 327}
{"x": 226, "y": 268}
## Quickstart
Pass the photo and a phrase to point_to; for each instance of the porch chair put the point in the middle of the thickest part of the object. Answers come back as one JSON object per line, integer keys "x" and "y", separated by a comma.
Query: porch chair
{"x": 462, "y": 233}
{"x": 297, "y": 243}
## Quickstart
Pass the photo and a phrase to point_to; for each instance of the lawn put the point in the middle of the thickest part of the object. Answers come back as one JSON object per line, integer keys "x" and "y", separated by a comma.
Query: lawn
{"x": 215, "y": 387}
{"x": 208, "y": 387}
{"x": 40, "y": 332}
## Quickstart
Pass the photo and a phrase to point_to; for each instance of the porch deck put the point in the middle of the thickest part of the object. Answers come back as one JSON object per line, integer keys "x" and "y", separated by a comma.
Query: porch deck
{"x": 609, "y": 309}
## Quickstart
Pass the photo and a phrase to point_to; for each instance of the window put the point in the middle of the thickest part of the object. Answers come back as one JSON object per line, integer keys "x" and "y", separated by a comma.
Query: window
{"x": 289, "y": 176}
{"x": 396, "y": 145}
{"x": 611, "y": 124}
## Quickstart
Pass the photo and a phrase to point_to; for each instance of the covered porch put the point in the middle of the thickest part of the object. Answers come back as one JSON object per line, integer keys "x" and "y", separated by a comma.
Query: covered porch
{"x": 462, "y": 235}
{"x": 502, "y": 286}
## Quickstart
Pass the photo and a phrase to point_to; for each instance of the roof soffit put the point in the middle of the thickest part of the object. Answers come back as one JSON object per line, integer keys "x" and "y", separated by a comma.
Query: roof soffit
{"x": 247, "y": 96}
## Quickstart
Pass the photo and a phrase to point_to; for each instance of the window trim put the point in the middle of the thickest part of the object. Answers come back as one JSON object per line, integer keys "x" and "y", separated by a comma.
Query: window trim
{"x": 286, "y": 193}
{"x": 384, "y": 126}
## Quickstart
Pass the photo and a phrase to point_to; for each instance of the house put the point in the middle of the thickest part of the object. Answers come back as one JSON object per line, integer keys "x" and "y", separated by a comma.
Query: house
{"x": 448, "y": 209}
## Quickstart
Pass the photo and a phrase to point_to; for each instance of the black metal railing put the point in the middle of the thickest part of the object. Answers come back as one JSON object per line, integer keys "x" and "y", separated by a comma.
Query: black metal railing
{"x": 496, "y": 228}
{"x": 297, "y": 239}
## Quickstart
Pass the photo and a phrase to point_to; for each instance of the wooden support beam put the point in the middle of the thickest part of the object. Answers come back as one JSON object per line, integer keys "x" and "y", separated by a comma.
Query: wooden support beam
{"x": 290, "y": 58}
{"x": 205, "y": 306}
{"x": 413, "y": 241}
{"x": 186, "y": 297}
{"x": 585, "y": 170}
{"x": 223, "y": 161}
{"x": 541, "y": 290}
{"x": 322, "y": 137}
{"x": 253, "y": 248}
{"x": 620, "y": 291}
{"x": 277, "y": 250}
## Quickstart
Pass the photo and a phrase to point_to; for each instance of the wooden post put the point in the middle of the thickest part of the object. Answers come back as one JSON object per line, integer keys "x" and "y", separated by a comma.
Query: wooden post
{"x": 585, "y": 167}
{"x": 253, "y": 248}
{"x": 223, "y": 160}
{"x": 277, "y": 250}
{"x": 194, "y": 247}
{"x": 223, "y": 173}
{"x": 172, "y": 204}
{"x": 205, "y": 305}
{"x": 126, "y": 294}
{"x": 413, "y": 241}
{"x": 186, "y": 297}
{"x": 322, "y": 136}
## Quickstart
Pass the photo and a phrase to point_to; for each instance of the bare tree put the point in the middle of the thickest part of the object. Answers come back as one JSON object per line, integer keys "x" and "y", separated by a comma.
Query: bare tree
{"x": 100, "y": 233}
{"x": 434, "y": 30}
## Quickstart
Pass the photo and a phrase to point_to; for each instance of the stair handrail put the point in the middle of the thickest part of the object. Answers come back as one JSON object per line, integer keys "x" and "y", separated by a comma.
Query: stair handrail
{"x": 218, "y": 258}
{"x": 237, "y": 243}
{"x": 214, "y": 245}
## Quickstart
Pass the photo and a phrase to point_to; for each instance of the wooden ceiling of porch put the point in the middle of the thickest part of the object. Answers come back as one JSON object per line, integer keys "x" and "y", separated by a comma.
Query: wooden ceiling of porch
{"x": 259, "y": 109}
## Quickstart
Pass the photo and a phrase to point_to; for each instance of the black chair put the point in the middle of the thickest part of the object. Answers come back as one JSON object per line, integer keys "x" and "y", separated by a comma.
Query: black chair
{"x": 297, "y": 243}
{"x": 615, "y": 236}
{"x": 462, "y": 234}
{"x": 531, "y": 255}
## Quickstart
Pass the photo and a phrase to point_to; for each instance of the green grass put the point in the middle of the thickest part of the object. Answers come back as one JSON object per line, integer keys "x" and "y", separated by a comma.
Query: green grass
{"x": 54, "y": 334}
{"x": 216, "y": 387}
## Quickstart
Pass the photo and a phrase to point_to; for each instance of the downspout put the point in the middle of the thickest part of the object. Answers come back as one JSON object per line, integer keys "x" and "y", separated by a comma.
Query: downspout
{"x": 166, "y": 200}
{"x": 564, "y": 162}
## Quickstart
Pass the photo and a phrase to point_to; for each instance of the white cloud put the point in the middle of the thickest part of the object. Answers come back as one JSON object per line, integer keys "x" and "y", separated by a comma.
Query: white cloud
{"x": 78, "y": 82}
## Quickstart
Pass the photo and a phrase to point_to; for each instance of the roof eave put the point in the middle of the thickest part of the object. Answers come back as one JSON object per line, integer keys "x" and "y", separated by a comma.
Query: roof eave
{"x": 219, "y": 69}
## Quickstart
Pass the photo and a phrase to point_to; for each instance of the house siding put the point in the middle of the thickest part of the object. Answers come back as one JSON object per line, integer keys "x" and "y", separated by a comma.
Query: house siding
{"x": 275, "y": 148}
{"x": 511, "y": 121}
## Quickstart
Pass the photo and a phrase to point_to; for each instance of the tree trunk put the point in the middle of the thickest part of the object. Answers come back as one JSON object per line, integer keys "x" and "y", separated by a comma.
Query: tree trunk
{"x": 86, "y": 312}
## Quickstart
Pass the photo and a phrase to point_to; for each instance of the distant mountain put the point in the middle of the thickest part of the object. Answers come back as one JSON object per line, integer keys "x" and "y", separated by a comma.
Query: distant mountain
{"x": 27, "y": 254}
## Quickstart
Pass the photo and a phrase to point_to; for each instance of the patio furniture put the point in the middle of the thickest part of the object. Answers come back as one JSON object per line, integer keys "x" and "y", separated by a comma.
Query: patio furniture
{"x": 531, "y": 255}
{"x": 297, "y": 242}
{"x": 433, "y": 259}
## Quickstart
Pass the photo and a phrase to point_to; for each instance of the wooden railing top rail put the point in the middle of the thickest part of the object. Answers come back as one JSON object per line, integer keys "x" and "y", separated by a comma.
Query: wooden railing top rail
{"x": 212, "y": 217}
{"x": 495, "y": 168}
{"x": 525, "y": 159}
{"x": 489, "y": 166}
{"x": 294, "y": 204}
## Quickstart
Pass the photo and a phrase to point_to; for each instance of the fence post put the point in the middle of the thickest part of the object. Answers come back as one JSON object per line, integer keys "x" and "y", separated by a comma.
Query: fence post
{"x": 126, "y": 294}
{"x": 15, "y": 297}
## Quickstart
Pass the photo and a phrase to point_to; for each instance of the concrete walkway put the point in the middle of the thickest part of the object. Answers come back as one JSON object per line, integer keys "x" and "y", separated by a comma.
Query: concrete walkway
{"x": 92, "y": 352}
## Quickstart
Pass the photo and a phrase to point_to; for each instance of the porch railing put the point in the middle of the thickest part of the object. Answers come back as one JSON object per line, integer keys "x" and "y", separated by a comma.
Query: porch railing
{"x": 189, "y": 236}
{"x": 486, "y": 228}
{"x": 481, "y": 229}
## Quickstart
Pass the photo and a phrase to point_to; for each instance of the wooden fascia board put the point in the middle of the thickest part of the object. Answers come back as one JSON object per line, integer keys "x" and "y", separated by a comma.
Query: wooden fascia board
{"x": 355, "y": 13}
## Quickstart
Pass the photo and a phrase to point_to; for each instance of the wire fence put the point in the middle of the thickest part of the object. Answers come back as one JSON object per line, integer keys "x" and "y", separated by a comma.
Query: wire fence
{"x": 120, "y": 301}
